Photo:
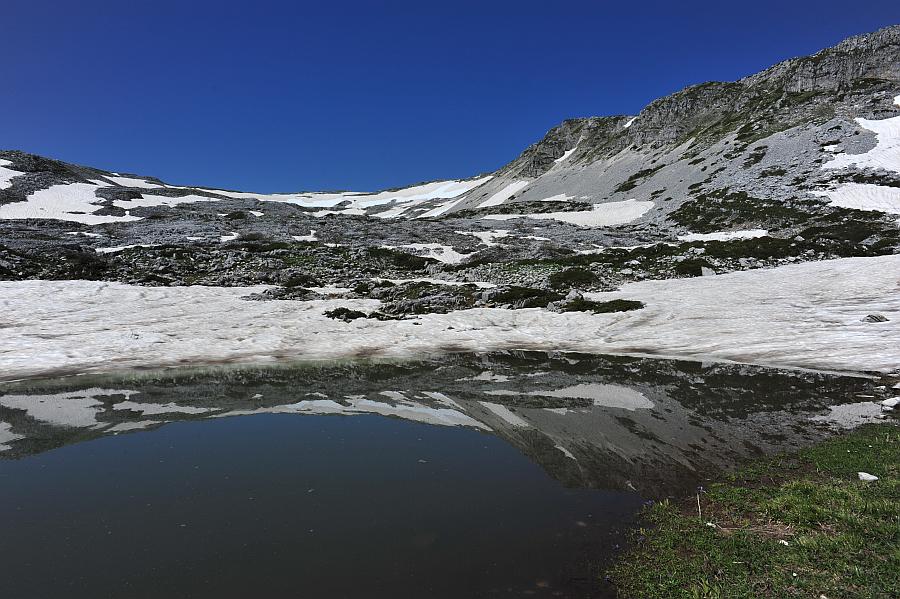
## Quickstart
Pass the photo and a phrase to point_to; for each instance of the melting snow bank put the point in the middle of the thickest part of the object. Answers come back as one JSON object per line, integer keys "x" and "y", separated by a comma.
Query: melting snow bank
{"x": 807, "y": 315}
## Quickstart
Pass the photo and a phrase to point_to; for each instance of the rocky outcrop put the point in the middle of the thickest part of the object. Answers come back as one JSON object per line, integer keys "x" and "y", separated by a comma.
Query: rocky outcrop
{"x": 859, "y": 64}
{"x": 874, "y": 56}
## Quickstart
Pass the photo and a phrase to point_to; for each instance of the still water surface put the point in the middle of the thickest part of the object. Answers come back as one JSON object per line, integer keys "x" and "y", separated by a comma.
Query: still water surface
{"x": 499, "y": 475}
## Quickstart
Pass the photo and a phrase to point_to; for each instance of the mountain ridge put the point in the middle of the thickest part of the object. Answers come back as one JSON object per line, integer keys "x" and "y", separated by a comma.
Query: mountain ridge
{"x": 799, "y": 162}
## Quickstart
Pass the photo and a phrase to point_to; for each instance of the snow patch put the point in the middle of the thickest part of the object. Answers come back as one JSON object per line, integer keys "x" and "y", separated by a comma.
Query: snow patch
{"x": 851, "y": 415}
{"x": 6, "y": 435}
{"x": 607, "y": 396}
{"x": 488, "y": 377}
{"x": 504, "y": 194}
{"x": 441, "y": 253}
{"x": 124, "y": 427}
{"x": 864, "y": 196}
{"x": 75, "y": 202}
{"x": 119, "y": 248}
{"x": 486, "y": 237}
{"x": 6, "y": 174}
{"x": 72, "y": 409}
{"x": 724, "y": 235}
{"x": 602, "y": 215}
{"x": 154, "y": 408}
{"x": 565, "y": 452}
{"x": 505, "y": 414}
{"x": 360, "y": 405}
{"x": 565, "y": 155}
{"x": 358, "y": 202}
{"x": 885, "y": 154}
{"x": 134, "y": 182}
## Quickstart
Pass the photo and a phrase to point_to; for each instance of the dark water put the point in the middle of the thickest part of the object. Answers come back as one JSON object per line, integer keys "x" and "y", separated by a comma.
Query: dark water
{"x": 465, "y": 476}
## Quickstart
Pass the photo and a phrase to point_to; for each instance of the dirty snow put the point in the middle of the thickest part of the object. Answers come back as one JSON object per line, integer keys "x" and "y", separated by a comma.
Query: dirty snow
{"x": 805, "y": 315}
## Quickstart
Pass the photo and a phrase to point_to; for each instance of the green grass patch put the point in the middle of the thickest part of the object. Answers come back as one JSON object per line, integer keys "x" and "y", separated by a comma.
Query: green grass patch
{"x": 791, "y": 526}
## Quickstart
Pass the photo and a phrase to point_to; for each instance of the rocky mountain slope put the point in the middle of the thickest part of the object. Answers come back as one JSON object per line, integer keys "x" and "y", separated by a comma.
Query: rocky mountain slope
{"x": 799, "y": 162}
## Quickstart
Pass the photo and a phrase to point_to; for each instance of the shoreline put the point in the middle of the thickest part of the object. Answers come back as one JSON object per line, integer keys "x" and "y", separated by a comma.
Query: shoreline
{"x": 803, "y": 523}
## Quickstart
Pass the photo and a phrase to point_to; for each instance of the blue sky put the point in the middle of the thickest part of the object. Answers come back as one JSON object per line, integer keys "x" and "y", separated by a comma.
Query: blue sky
{"x": 283, "y": 96}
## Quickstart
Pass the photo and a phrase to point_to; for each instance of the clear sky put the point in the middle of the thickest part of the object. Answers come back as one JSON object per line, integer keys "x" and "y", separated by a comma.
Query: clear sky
{"x": 284, "y": 96}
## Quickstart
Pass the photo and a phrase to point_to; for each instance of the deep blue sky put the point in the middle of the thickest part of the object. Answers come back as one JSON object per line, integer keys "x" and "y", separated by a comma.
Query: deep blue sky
{"x": 279, "y": 96}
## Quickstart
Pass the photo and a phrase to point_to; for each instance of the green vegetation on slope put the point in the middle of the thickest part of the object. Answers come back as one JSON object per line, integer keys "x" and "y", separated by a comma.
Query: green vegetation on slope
{"x": 791, "y": 526}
